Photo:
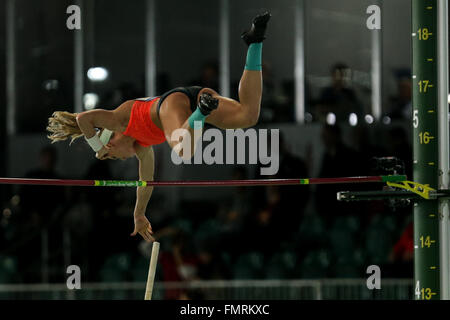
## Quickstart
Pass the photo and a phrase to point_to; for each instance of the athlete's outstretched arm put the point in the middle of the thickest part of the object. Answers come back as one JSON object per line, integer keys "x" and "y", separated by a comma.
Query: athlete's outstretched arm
{"x": 146, "y": 172}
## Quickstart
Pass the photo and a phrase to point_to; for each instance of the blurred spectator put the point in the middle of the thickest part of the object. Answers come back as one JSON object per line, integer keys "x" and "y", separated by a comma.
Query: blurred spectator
{"x": 339, "y": 98}
{"x": 41, "y": 201}
{"x": 400, "y": 105}
{"x": 365, "y": 149}
{"x": 78, "y": 227}
{"x": 39, "y": 213}
{"x": 265, "y": 227}
{"x": 237, "y": 208}
{"x": 284, "y": 206}
{"x": 338, "y": 161}
{"x": 320, "y": 109}
{"x": 179, "y": 264}
{"x": 233, "y": 213}
{"x": 210, "y": 265}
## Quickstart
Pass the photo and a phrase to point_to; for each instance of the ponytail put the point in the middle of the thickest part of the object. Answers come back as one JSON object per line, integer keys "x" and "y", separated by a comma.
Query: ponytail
{"x": 62, "y": 126}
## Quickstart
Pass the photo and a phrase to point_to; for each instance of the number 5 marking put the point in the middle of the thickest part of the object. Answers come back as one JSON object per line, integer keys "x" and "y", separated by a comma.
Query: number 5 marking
{"x": 416, "y": 118}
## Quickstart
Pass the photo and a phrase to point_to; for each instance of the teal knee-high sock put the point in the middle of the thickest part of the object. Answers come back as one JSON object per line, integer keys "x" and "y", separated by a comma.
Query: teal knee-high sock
{"x": 197, "y": 119}
{"x": 254, "y": 57}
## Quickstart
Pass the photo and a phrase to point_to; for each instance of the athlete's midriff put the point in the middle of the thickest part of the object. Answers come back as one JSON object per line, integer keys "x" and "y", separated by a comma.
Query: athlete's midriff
{"x": 141, "y": 126}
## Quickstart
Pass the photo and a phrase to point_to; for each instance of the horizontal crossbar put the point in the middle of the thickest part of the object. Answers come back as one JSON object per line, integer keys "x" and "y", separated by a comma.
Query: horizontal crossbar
{"x": 202, "y": 183}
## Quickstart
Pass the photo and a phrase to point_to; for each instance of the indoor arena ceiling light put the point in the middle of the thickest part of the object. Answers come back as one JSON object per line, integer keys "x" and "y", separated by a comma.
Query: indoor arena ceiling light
{"x": 90, "y": 100}
{"x": 97, "y": 74}
{"x": 331, "y": 119}
{"x": 369, "y": 118}
{"x": 353, "y": 119}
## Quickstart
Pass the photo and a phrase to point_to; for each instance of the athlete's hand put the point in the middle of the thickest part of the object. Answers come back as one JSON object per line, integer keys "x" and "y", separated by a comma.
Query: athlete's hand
{"x": 102, "y": 153}
{"x": 143, "y": 227}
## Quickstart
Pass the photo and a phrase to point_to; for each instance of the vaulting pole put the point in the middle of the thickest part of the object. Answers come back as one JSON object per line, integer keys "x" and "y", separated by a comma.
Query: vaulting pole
{"x": 152, "y": 271}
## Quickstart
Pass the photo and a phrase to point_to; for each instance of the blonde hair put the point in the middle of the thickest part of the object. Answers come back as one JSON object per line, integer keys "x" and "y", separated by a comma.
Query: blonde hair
{"x": 63, "y": 125}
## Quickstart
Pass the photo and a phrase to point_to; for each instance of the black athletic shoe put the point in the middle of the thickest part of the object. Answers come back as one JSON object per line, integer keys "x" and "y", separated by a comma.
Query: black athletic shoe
{"x": 207, "y": 103}
{"x": 258, "y": 30}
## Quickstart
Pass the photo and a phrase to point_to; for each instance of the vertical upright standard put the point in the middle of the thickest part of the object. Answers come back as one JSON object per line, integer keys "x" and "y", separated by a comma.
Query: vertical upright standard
{"x": 444, "y": 154}
{"x": 426, "y": 150}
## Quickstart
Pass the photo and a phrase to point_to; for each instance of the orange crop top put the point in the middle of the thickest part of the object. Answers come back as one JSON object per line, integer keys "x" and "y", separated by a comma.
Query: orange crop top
{"x": 141, "y": 126}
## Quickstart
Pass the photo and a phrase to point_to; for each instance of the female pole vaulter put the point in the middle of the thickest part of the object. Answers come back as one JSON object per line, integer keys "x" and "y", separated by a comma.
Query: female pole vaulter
{"x": 132, "y": 128}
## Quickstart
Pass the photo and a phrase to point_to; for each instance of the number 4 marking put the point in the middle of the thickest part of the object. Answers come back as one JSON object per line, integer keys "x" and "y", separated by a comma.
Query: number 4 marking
{"x": 417, "y": 291}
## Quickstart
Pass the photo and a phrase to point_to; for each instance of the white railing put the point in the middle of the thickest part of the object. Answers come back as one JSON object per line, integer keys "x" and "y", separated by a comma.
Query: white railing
{"x": 346, "y": 289}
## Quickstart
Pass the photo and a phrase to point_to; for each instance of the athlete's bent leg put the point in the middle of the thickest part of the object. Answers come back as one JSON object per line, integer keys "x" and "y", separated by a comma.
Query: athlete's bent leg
{"x": 230, "y": 113}
{"x": 180, "y": 124}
